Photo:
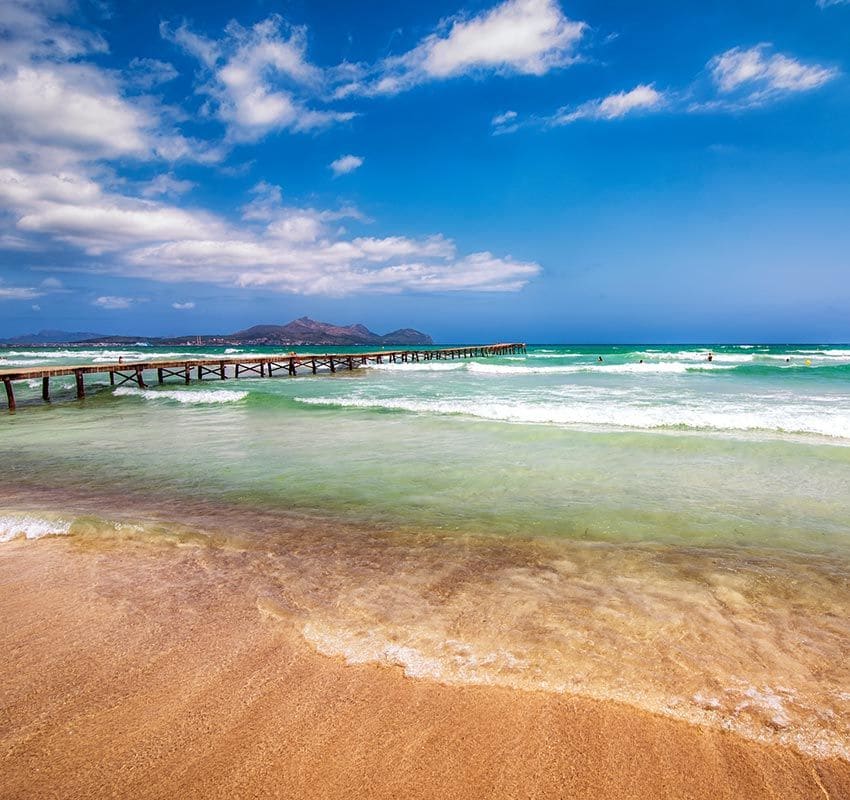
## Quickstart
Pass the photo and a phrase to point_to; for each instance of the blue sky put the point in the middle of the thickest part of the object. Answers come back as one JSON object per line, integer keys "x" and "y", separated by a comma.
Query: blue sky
{"x": 524, "y": 169}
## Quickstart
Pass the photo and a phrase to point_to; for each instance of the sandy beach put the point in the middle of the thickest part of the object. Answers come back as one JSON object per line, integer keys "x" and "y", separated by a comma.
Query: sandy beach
{"x": 128, "y": 673}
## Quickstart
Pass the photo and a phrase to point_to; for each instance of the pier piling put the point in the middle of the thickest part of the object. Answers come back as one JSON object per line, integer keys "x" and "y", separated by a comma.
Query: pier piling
{"x": 10, "y": 394}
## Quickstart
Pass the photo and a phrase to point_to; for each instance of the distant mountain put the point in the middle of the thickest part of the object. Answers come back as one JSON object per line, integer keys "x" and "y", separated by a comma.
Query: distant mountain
{"x": 50, "y": 337}
{"x": 306, "y": 331}
{"x": 299, "y": 332}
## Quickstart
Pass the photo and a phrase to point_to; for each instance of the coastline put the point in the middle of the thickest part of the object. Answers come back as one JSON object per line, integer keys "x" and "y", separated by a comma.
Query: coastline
{"x": 130, "y": 671}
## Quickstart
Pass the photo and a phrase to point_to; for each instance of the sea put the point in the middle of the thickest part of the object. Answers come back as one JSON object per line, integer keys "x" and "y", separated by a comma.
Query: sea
{"x": 630, "y": 523}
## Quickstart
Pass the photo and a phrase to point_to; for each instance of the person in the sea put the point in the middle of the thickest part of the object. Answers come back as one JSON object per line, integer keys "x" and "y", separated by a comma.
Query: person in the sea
{"x": 599, "y": 358}
{"x": 710, "y": 356}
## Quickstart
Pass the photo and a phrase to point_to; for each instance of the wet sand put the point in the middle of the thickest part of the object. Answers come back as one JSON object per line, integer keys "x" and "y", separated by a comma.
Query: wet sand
{"x": 130, "y": 672}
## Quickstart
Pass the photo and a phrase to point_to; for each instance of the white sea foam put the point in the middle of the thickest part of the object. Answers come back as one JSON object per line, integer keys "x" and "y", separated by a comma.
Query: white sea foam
{"x": 705, "y": 415}
{"x": 188, "y": 397}
{"x": 610, "y": 369}
{"x": 419, "y": 366}
{"x": 13, "y": 526}
{"x": 760, "y": 713}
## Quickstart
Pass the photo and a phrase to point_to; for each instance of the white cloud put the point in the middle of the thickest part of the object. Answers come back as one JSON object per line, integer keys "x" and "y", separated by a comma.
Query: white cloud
{"x": 529, "y": 37}
{"x": 259, "y": 78}
{"x": 61, "y": 184}
{"x": 828, "y": 3}
{"x": 502, "y": 119}
{"x": 149, "y": 72}
{"x": 166, "y": 184}
{"x": 746, "y": 78}
{"x": 188, "y": 306}
{"x": 285, "y": 248}
{"x": 36, "y": 307}
{"x": 18, "y": 292}
{"x": 54, "y": 103}
{"x": 644, "y": 97}
{"x": 740, "y": 79}
{"x": 346, "y": 164}
{"x": 113, "y": 303}
{"x": 47, "y": 286}
{"x": 73, "y": 207}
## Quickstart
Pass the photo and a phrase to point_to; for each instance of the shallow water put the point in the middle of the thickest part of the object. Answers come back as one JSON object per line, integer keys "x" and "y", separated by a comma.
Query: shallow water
{"x": 673, "y": 534}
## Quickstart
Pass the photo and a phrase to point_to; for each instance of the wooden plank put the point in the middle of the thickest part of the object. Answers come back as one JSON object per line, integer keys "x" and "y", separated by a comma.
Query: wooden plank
{"x": 81, "y": 386}
{"x": 45, "y": 389}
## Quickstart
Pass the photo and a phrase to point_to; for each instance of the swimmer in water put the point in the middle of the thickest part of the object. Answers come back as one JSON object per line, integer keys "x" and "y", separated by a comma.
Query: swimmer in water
{"x": 710, "y": 356}
{"x": 599, "y": 358}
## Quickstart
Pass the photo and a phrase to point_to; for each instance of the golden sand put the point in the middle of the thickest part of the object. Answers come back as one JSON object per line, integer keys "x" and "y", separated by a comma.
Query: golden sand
{"x": 131, "y": 673}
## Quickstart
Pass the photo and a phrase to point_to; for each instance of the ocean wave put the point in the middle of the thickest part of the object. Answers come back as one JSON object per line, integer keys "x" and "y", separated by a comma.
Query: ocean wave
{"x": 729, "y": 417}
{"x": 22, "y": 362}
{"x": 28, "y": 526}
{"x": 187, "y": 397}
{"x": 611, "y": 369}
{"x": 419, "y": 366}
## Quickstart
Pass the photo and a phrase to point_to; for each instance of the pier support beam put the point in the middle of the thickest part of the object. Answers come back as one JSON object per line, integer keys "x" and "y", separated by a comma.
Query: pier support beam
{"x": 45, "y": 389}
{"x": 81, "y": 386}
{"x": 10, "y": 394}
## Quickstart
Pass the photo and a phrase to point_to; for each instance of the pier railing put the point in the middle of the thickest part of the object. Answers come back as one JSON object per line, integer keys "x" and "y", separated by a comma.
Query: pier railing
{"x": 259, "y": 366}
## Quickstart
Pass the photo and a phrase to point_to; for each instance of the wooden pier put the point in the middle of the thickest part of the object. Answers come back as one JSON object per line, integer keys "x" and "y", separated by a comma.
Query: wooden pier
{"x": 270, "y": 366}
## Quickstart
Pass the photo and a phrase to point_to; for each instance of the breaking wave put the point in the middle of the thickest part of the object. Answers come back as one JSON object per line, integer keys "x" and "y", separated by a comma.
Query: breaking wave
{"x": 188, "y": 397}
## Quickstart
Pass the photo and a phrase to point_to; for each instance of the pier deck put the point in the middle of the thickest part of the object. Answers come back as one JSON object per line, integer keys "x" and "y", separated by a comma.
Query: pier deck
{"x": 259, "y": 366}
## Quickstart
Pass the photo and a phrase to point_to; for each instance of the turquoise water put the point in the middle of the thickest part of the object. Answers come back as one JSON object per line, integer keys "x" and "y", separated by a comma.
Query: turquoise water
{"x": 654, "y": 527}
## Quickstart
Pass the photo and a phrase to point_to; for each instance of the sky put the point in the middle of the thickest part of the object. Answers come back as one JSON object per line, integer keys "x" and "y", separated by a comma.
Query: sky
{"x": 521, "y": 170}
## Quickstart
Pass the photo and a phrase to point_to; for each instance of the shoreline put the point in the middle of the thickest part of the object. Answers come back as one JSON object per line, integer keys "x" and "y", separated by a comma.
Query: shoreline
{"x": 129, "y": 668}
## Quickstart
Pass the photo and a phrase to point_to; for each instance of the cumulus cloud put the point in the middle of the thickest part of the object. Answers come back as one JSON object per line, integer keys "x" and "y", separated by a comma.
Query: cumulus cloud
{"x": 258, "y": 79}
{"x": 188, "y": 306}
{"x": 113, "y": 303}
{"x": 74, "y": 208}
{"x": 644, "y": 97}
{"x": 285, "y": 248}
{"x": 528, "y": 37}
{"x": 67, "y": 127}
{"x": 747, "y": 78}
{"x": 56, "y": 105}
{"x": 346, "y": 164}
{"x": 738, "y": 79}
{"x": 828, "y": 3}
